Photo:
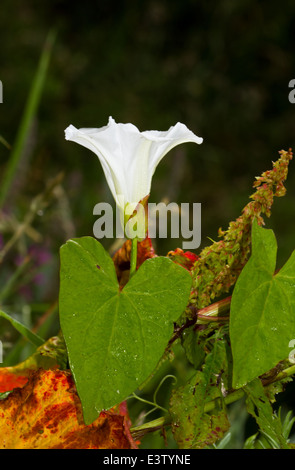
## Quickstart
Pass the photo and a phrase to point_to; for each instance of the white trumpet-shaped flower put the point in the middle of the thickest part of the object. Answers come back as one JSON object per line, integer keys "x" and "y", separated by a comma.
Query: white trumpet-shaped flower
{"x": 129, "y": 157}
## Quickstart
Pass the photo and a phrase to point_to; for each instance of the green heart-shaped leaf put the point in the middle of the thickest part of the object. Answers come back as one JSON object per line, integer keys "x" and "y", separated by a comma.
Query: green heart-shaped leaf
{"x": 262, "y": 313}
{"x": 115, "y": 338}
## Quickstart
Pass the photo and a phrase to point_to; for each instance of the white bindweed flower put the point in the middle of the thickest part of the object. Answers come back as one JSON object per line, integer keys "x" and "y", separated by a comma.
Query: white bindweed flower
{"x": 129, "y": 157}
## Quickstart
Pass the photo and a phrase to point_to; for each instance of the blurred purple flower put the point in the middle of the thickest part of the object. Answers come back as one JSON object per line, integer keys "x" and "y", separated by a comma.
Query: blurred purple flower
{"x": 38, "y": 257}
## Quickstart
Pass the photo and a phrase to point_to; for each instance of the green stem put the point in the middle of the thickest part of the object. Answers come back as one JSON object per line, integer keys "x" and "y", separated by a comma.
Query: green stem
{"x": 165, "y": 420}
{"x": 285, "y": 373}
{"x": 154, "y": 404}
{"x": 133, "y": 260}
{"x": 139, "y": 431}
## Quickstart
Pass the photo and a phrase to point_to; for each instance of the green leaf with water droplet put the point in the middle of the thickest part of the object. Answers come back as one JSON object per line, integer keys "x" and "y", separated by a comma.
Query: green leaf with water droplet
{"x": 114, "y": 337}
{"x": 262, "y": 314}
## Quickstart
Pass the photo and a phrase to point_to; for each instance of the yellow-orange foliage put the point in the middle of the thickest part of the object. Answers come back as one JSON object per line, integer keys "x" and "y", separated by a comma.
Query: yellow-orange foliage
{"x": 46, "y": 413}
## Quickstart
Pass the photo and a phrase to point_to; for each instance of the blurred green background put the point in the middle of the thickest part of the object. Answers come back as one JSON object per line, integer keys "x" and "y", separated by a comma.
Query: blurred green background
{"x": 221, "y": 67}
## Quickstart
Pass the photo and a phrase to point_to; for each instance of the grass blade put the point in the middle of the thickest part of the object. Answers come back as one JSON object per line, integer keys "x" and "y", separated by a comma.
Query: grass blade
{"x": 27, "y": 117}
{"x": 23, "y": 330}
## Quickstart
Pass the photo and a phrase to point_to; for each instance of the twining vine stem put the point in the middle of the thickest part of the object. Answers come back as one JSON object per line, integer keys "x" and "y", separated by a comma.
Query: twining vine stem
{"x": 139, "y": 431}
{"x": 214, "y": 312}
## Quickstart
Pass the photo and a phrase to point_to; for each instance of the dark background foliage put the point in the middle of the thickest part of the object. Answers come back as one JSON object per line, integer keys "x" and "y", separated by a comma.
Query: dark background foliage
{"x": 221, "y": 67}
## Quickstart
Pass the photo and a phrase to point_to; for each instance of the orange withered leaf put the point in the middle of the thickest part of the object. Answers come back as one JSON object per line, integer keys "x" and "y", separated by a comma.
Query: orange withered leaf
{"x": 10, "y": 380}
{"x": 186, "y": 259}
{"x": 121, "y": 258}
{"x": 51, "y": 354}
{"x": 46, "y": 414}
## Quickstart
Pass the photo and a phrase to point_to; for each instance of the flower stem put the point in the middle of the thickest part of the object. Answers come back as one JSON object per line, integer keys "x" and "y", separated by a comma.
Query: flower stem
{"x": 133, "y": 260}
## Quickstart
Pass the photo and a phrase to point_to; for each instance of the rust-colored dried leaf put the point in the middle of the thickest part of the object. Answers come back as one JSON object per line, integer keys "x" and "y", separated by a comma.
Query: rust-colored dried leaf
{"x": 47, "y": 414}
{"x": 121, "y": 258}
{"x": 186, "y": 259}
{"x": 10, "y": 380}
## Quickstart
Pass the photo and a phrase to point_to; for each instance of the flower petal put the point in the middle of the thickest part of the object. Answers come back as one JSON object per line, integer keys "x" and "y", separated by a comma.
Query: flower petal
{"x": 164, "y": 141}
{"x": 129, "y": 157}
